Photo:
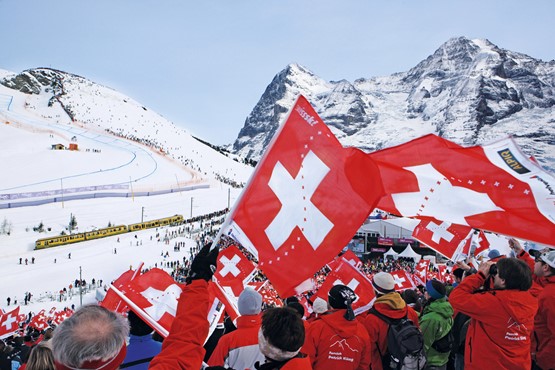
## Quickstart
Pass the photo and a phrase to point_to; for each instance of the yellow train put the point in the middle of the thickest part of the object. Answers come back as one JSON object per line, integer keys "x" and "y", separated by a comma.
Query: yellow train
{"x": 108, "y": 231}
{"x": 174, "y": 220}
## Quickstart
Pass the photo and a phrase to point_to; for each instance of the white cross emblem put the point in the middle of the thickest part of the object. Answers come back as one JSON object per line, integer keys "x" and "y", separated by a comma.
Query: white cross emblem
{"x": 297, "y": 210}
{"x": 230, "y": 265}
{"x": 399, "y": 280}
{"x": 352, "y": 284}
{"x": 162, "y": 301}
{"x": 440, "y": 231}
{"x": 9, "y": 321}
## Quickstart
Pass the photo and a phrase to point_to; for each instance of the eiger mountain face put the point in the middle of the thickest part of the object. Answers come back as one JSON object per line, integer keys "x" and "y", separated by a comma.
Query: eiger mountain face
{"x": 469, "y": 91}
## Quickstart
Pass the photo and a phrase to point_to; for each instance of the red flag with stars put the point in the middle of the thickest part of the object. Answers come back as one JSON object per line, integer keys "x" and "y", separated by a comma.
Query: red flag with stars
{"x": 494, "y": 187}
{"x": 306, "y": 199}
{"x": 443, "y": 237}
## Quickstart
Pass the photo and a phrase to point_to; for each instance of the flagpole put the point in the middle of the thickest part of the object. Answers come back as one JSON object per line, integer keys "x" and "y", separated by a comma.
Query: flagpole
{"x": 139, "y": 311}
{"x": 231, "y": 213}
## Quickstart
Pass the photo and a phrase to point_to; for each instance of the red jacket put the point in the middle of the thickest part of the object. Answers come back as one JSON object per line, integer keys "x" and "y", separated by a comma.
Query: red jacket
{"x": 332, "y": 342}
{"x": 543, "y": 340}
{"x": 239, "y": 349}
{"x": 183, "y": 348}
{"x": 298, "y": 364}
{"x": 500, "y": 327}
{"x": 392, "y": 306}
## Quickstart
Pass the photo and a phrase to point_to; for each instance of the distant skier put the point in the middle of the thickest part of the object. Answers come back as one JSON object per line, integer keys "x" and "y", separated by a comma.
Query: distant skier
{"x": 69, "y": 255}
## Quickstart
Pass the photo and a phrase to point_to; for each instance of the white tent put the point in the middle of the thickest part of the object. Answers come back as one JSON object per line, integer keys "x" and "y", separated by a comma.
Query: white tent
{"x": 391, "y": 253}
{"x": 410, "y": 253}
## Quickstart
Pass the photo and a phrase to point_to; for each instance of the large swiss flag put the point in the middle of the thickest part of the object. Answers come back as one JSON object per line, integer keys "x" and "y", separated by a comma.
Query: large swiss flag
{"x": 305, "y": 201}
{"x": 494, "y": 187}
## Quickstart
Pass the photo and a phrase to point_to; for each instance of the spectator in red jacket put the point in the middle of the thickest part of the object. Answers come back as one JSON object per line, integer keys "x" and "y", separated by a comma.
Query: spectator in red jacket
{"x": 543, "y": 340}
{"x": 336, "y": 340}
{"x": 502, "y": 319}
{"x": 389, "y": 303}
{"x": 239, "y": 349}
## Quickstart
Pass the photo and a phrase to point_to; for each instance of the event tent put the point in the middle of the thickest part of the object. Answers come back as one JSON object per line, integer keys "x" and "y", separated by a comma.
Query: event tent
{"x": 391, "y": 253}
{"x": 410, "y": 253}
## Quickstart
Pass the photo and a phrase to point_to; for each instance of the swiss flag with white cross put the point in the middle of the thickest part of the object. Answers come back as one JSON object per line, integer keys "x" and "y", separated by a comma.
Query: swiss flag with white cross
{"x": 444, "y": 237}
{"x": 9, "y": 322}
{"x": 493, "y": 187}
{"x": 233, "y": 266}
{"x": 402, "y": 280}
{"x": 306, "y": 199}
{"x": 346, "y": 274}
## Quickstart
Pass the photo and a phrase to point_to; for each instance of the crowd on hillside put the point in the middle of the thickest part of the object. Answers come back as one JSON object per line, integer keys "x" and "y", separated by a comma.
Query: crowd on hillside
{"x": 505, "y": 305}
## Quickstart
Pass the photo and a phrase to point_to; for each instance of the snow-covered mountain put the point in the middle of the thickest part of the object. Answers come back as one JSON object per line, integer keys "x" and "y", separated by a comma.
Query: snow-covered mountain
{"x": 468, "y": 91}
{"x": 41, "y": 97}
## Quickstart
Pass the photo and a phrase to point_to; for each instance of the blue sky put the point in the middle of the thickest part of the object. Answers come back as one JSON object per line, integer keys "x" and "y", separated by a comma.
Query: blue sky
{"x": 205, "y": 64}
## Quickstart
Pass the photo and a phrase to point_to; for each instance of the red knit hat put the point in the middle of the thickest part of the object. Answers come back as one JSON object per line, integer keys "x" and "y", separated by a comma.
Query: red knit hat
{"x": 110, "y": 364}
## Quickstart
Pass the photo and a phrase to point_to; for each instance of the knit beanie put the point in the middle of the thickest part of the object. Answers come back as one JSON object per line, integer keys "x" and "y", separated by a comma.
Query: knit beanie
{"x": 435, "y": 289}
{"x": 250, "y": 302}
{"x": 383, "y": 283}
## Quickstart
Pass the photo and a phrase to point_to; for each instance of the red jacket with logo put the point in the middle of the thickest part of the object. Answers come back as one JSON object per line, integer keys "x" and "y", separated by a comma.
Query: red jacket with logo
{"x": 239, "y": 349}
{"x": 500, "y": 327}
{"x": 394, "y": 307}
{"x": 332, "y": 342}
{"x": 543, "y": 340}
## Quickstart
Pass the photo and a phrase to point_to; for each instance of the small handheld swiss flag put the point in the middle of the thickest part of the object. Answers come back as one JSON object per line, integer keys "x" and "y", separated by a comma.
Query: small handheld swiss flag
{"x": 306, "y": 199}
{"x": 9, "y": 322}
{"x": 444, "y": 237}
{"x": 402, "y": 280}
{"x": 346, "y": 274}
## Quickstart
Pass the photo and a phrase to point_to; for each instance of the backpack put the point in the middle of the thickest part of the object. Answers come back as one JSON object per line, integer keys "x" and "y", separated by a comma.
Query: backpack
{"x": 405, "y": 344}
{"x": 446, "y": 343}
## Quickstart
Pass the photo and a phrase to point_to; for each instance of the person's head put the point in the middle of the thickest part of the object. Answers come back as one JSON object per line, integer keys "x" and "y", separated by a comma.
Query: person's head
{"x": 48, "y": 333}
{"x": 281, "y": 334}
{"x": 290, "y": 299}
{"x": 137, "y": 325}
{"x": 92, "y": 338}
{"x": 545, "y": 264}
{"x": 383, "y": 283}
{"x": 320, "y": 305}
{"x": 249, "y": 302}
{"x": 512, "y": 273}
{"x": 341, "y": 296}
{"x": 434, "y": 290}
{"x": 41, "y": 358}
{"x": 299, "y": 308}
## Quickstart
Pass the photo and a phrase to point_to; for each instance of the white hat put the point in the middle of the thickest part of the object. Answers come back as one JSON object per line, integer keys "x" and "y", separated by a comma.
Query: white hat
{"x": 383, "y": 283}
{"x": 320, "y": 305}
{"x": 548, "y": 258}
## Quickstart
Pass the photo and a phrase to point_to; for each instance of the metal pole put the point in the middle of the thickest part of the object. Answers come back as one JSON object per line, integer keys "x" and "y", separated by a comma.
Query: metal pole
{"x": 228, "y": 197}
{"x": 80, "y": 287}
{"x": 142, "y": 214}
{"x": 191, "y": 207}
{"x": 62, "y": 186}
{"x": 131, "y": 186}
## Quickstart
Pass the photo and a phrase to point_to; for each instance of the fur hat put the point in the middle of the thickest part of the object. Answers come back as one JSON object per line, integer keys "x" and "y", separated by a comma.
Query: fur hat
{"x": 383, "y": 283}
{"x": 250, "y": 302}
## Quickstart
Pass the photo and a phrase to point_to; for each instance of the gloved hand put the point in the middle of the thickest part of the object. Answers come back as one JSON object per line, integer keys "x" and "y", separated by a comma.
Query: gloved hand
{"x": 204, "y": 264}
